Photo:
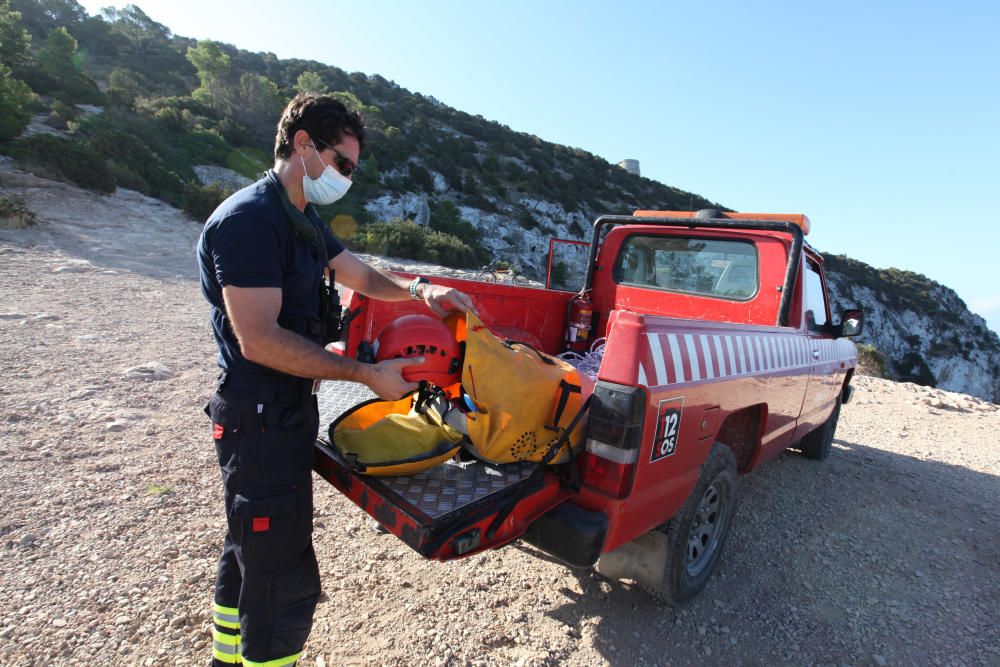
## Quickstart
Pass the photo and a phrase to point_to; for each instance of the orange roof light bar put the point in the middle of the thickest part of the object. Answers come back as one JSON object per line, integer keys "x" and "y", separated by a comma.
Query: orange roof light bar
{"x": 795, "y": 218}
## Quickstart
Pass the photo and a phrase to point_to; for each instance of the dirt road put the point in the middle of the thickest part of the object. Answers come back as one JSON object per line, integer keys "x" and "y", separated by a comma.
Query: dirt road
{"x": 887, "y": 554}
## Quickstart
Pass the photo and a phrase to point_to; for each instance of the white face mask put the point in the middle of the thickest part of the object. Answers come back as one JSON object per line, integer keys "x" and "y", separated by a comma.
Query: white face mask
{"x": 328, "y": 188}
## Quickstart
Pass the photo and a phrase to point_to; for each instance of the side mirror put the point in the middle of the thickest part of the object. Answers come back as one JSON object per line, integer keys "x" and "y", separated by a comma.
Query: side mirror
{"x": 851, "y": 323}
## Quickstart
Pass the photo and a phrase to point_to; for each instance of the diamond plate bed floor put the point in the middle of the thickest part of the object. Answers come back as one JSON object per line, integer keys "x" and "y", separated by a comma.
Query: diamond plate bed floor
{"x": 439, "y": 491}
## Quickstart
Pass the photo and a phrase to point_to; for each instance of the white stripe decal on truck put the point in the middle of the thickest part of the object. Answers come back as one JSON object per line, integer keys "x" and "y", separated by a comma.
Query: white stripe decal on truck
{"x": 675, "y": 354}
{"x": 709, "y": 366}
{"x": 711, "y": 356}
{"x": 658, "y": 363}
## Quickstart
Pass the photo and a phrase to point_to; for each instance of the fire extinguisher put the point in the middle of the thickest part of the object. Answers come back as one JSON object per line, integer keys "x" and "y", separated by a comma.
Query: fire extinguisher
{"x": 579, "y": 315}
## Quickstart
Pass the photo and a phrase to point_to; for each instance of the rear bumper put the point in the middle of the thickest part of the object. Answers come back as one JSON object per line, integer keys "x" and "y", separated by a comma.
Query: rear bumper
{"x": 570, "y": 533}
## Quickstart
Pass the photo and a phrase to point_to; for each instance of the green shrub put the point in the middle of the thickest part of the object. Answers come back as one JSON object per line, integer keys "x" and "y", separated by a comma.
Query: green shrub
{"x": 233, "y": 132}
{"x": 871, "y": 362}
{"x": 66, "y": 159}
{"x": 14, "y": 214}
{"x": 174, "y": 139}
{"x": 123, "y": 87}
{"x": 397, "y": 238}
{"x": 15, "y": 105}
{"x": 419, "y": 178}
{"x": 445, "y": 218}
{"x": 199, "y": 201}
{"x": 449, "y": 250}
{"x": 135, "y": 166}
{"x": 172, "y": 120}
{"x": 179, "y": 104}
{"x": 406, "y": 239}
{"x": 61, "y": 114}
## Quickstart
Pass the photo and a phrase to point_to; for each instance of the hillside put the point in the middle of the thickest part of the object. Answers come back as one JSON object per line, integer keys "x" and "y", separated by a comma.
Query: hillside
{"x": 172, "y": 104}
{"x": 117, "y": 100}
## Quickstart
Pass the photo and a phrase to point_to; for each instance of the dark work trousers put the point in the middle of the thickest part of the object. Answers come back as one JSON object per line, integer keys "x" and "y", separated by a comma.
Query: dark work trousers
{"x": 268, "y": 580}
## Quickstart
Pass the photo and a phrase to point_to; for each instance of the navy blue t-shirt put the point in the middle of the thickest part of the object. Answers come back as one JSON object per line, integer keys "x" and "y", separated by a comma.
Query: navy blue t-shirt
{"x": 248, "y": 242}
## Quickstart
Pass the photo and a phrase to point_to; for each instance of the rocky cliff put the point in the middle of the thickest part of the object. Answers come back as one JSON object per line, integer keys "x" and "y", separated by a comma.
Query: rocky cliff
{"x": 923, "y": 329}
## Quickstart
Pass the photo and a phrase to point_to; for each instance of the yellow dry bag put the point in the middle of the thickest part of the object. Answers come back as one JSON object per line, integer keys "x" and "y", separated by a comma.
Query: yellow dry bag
{"x": 524, "y": 399}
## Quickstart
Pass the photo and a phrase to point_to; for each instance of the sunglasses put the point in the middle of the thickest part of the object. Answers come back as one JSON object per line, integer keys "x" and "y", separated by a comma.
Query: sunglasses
{"x": 340, "y": 163}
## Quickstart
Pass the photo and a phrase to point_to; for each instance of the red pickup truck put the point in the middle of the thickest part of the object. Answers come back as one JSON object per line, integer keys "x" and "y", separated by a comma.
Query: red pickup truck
{"x": 720, "y": 352}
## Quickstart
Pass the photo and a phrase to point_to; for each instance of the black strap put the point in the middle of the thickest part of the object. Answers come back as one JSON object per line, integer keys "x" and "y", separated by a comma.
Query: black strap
{"x": 566, "y": 389}
{"x": 509, "y": 344}
{"x": 301, "y": 224}
{"x": 307, "y": 229}
{"x": 539, "y": 469}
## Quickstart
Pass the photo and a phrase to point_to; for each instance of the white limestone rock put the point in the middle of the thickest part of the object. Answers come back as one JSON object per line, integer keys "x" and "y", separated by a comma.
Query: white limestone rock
{"x": 408, "y": 206}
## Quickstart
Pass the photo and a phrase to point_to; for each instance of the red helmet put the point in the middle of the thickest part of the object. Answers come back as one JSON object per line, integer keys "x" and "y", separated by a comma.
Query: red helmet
{"x": 429, "y": 337}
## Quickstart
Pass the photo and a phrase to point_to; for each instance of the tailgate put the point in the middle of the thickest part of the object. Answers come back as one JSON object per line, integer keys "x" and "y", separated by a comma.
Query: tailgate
{"x": 445, "y": 512}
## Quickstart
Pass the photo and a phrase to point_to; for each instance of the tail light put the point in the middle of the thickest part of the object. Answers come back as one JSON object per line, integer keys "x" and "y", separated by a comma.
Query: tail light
{"x": 614, "y": 434}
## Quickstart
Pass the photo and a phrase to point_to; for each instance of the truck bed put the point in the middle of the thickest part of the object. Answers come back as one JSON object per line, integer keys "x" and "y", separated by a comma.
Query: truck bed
{"x": 443, "y": 512}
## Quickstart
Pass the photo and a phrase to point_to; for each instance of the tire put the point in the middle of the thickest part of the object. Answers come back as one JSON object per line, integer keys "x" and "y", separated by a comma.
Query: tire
{"x": 487, "y": 277}
{"x": 818, "y": 444}
{"x": 695, "y": 536}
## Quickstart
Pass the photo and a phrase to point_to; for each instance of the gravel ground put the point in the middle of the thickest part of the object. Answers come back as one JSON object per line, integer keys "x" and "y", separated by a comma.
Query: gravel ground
{"x": 887, "y": 554}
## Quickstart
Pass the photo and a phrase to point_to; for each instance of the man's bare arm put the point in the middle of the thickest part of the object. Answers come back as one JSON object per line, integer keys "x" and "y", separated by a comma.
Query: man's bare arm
{"x": 253, "y": 312}
{"x": 376, "y": 284}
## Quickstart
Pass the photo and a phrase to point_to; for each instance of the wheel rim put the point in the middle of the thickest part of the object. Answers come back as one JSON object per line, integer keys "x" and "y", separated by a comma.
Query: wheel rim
{"x": 707, "y": 528}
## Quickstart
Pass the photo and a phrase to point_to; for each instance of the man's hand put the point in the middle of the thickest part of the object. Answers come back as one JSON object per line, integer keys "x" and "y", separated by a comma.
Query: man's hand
{"x": 443, "y": 299}
{"x": 386, "y": 378}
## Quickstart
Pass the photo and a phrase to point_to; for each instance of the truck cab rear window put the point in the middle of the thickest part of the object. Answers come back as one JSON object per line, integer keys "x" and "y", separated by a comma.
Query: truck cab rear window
{"x": 706, "y": 267}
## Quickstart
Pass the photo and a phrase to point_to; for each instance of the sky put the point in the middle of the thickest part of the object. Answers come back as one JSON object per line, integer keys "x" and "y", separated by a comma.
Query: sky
{"x": 878, "y": 120}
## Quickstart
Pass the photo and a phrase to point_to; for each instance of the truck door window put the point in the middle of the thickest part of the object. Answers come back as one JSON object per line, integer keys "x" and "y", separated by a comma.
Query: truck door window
{"x": 816, "y": 318}
{"x": 707, "y": 267}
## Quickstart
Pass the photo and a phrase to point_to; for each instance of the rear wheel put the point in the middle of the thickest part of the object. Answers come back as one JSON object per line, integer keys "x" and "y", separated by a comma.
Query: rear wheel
{"x": 695, "y": 536}
{"x": 818, "y": 444}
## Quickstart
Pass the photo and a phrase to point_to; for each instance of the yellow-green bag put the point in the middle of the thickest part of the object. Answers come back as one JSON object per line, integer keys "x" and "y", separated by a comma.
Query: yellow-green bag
{"x": 525, "y": 399}
{"x": 386, "y": 438}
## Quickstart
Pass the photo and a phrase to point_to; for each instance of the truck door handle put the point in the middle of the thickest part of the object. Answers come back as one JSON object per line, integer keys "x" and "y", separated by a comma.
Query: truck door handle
{"x": 815, "y": 354}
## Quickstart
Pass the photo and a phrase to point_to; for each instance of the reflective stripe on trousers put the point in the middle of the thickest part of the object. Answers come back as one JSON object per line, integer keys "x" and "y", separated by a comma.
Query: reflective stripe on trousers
{"x": 227, "y": 617}
{"x": 226, "y": 635}
{"x": 277, "y": 662}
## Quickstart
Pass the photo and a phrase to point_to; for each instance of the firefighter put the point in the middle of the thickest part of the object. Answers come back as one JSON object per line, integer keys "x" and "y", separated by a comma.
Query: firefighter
{"x": 264, "y": 258}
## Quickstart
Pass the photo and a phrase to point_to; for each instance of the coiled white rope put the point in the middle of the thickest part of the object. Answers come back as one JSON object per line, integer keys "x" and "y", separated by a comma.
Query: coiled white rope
{"x": 588, "y": 362}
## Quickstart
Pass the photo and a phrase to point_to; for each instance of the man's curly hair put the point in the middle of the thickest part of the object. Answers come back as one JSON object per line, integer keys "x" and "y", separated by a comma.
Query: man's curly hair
{"x": 322, "y": 116}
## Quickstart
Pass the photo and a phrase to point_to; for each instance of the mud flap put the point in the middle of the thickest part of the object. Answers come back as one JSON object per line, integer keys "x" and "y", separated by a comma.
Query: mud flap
{"x": 643, "y": 559}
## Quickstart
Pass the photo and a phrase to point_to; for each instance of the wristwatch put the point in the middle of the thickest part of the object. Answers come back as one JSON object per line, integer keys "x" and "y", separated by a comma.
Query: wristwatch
{"x": 413, "y": 286}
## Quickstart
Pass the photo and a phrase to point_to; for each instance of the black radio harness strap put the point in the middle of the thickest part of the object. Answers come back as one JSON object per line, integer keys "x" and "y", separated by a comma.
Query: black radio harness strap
{"x": 308, "y": 230}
